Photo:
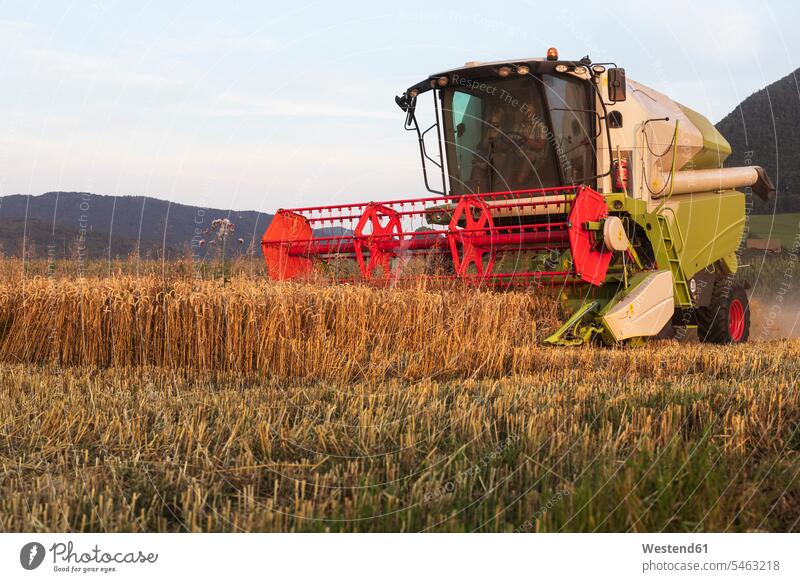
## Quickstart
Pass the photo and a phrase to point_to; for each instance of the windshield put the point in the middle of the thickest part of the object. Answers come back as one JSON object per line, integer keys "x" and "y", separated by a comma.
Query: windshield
{"x": 498, "y": 134}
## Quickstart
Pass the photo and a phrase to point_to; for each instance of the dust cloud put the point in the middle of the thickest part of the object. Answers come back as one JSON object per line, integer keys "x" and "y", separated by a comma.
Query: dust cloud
{"x": 770, "y": 320}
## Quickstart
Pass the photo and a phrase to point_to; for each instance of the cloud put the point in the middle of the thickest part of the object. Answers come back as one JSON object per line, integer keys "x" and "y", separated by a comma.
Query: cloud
{"x": 14, "y": 28}
{"x": 216, "y": 43}
{"x": 236, "y": 104}
{"x": 714, "y": 30}
{"x": 27, "y": 44}
{"x": 131, "y": 63}
{"x": 110, "y": 69}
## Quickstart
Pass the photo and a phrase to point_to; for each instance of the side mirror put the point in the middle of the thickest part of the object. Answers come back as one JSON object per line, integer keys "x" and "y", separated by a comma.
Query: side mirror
{"x": 402, "y": 102}
{"x": 617, "y": 88}
{"x": 407, "y": 105}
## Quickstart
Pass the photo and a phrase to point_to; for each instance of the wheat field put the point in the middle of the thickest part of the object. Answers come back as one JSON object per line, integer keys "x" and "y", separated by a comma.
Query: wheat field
{"x": 139, "y": 403}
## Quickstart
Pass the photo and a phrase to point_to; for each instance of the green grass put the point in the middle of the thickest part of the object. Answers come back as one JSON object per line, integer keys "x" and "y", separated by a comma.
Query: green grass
{"x": 783, "y": 227}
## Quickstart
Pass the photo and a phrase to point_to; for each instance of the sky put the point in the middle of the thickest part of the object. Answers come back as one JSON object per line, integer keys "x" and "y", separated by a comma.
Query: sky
{"x": 267, "y": 105}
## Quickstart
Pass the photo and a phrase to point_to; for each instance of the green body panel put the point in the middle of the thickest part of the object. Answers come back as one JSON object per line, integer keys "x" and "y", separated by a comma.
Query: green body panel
{"x": 712, "y": 225}
{"x": 715, "y": 147}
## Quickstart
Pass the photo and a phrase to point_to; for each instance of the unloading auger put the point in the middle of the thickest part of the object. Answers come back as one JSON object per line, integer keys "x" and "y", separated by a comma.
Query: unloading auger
{"x": 554, "y": 173}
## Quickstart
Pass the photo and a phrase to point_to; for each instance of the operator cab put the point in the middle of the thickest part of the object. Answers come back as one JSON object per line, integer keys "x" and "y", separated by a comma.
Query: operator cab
{"x": 511, "y": 125}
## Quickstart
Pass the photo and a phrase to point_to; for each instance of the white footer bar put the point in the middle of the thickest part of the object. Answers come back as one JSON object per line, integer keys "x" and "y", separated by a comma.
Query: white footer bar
{"x": 389, "y": 557}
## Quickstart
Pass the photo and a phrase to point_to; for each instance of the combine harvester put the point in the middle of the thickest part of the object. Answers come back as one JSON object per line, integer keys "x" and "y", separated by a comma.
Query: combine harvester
{"x": 558, "y": 173}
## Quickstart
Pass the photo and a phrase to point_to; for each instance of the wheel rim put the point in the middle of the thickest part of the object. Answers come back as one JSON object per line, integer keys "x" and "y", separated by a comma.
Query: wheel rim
{"x": 736, "y": 320}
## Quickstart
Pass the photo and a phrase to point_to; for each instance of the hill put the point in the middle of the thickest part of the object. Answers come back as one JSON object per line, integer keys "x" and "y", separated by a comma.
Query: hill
{"x": 57, "y": 240}
{"x": 764, "y": 130}
{"x": 58, "y": 220}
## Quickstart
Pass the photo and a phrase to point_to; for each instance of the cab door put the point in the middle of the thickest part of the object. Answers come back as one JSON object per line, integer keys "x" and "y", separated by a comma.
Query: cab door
{"x": 574, "y": 125}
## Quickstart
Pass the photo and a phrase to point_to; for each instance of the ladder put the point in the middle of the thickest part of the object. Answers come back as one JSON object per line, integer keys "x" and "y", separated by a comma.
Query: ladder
{"x": 681, "y": 286}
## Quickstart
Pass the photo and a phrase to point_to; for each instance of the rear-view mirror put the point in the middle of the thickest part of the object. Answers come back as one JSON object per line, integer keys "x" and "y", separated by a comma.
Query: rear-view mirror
{"x": 617, "y": 90}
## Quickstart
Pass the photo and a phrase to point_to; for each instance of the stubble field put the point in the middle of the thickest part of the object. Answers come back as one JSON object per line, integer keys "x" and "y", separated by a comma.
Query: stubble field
{"x": 138, "y": 403}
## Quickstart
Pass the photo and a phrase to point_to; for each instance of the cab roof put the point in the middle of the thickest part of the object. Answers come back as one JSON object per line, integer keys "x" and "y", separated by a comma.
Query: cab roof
{"x": 490, "y": 69}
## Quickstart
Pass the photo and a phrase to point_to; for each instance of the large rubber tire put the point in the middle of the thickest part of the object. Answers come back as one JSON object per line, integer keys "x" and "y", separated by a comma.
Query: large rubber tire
{"x": 727, "y": 319}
